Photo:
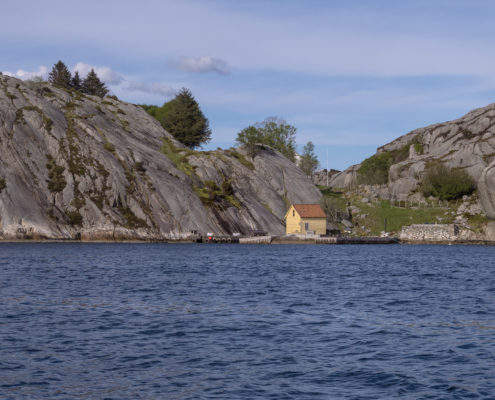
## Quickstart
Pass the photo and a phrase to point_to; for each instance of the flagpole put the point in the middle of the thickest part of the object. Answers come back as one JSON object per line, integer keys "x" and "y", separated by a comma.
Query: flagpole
{"x": 327, "y": 166}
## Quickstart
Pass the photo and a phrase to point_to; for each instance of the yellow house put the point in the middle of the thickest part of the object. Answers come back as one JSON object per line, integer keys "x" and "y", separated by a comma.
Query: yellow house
{"x": 305, "y": 218}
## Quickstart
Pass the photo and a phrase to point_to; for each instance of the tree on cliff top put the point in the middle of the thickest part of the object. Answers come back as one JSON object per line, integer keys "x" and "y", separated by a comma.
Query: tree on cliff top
{"x": 76, "y": 82}
{"x": 183, "y": 119}
{"x": 60, "y": 75}
{"x": 93, "y": 86}
{"x": 274, "y": 132}
{"x": 309, "y": 161}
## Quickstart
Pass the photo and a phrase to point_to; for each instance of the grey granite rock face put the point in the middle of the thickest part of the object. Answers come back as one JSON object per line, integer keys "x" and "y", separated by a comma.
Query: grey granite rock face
{"x": 467, "y": 143}
{"x": 76, "y": 166}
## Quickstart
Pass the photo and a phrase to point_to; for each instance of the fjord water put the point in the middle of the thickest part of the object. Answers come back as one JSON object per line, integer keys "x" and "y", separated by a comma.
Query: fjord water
{"x": 166, "y": 321}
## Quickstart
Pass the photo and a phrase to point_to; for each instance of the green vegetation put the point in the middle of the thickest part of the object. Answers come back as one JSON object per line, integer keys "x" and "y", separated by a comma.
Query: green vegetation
{"x": 211, "y": 194}
{"x": 47, "y": 123}
{"x": 132, "y": 220}
{"x": 74, "y": 159}
{"x": 240, "y": 157}
{"x": 446, "y": 184}
{"x": 3, "y": 184}
{"x": 418, "y": 144}
{"x": 274, "y": 132}
{"x": 75, "y": 217}
{"x": 372, "y": 216}
{"x": 159, "y": 113}
{"x": 398, "y": 217}
{"x": 183, "y": 118}
{"x": 374, "y": 170}
{"x": 92, "y": 85}
{"x": 76, "y": 82}
{"x": 177, "y": 156}
{"x": 108, "y": 146}
{"x": 56, "y": 180}
{"x": 309, "y": 161}
{"x": 60, "y": 76}
{"x": 19, "y": 116}
{"x": 332, "y": 203}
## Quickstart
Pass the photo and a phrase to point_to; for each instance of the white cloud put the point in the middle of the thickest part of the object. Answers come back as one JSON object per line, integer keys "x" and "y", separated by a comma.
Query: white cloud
{"x": 106, "y": 74}
{"x": 201, "y": 65}
{"x": 24, "y": 75}
{"x": 152, "y": 88}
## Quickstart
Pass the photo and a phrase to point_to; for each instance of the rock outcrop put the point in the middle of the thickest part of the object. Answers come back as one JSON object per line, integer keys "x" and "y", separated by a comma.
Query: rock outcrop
{"x": 74, "y": 166}
{"x": 467, "y": 143}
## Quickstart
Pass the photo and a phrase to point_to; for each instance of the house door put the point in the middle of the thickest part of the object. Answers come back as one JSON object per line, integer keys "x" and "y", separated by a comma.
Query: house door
{"x": 306, "y": 226}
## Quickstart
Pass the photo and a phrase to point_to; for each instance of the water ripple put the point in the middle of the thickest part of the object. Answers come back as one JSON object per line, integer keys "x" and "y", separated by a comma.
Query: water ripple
{"x": 162, "y": 321}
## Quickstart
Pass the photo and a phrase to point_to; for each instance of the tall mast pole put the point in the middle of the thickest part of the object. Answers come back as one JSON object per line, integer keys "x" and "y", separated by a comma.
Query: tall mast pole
{"x": 327, "y": 166}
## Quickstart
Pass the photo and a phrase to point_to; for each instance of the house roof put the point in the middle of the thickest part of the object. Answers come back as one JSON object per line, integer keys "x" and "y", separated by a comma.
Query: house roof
{"x": 309, "y": 210}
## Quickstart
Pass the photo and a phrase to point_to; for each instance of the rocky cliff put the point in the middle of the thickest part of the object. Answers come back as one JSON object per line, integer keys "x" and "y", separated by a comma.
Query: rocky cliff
{"x": 75, "y": 166}
{"x": 467, "y": 143}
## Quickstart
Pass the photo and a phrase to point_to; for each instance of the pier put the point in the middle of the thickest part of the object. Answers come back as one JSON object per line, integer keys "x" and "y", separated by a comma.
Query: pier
{"x": 226, "y": 239}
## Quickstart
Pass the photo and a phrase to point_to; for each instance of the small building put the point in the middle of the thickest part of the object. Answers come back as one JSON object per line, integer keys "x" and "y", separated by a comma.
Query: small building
{"x": 305, "y": 219}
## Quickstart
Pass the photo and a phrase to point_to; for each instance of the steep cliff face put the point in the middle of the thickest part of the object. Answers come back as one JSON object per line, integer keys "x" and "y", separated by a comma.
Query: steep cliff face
{"x": 467, "y": 143}
{"x": 76, "y": 166}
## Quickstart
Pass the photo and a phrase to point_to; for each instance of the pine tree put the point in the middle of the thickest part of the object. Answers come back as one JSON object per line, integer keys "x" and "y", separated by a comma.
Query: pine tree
{"x": 93, "y": 86}
{"x": 76, "y": 82}
{"x": 185, "y": 120}
{"x": 60, "y": 75}
{"x": 309, "y": 161}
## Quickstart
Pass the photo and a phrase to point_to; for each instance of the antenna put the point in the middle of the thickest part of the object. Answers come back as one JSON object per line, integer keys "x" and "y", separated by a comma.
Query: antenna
{"x": 327, "y": 166}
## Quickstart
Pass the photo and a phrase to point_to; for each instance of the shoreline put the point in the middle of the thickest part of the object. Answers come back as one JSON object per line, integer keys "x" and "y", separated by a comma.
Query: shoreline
{"x": 275, "y": 240}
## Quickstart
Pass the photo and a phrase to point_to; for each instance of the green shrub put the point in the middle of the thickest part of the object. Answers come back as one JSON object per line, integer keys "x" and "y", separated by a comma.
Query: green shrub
{"x": 56, "y": 181}
{"x": 446, "y": 184}
{"x": 3, "y": 184}
{"x": 75, "y": 217}
{"x": 48, "y": 123}
{"x": 374, "y": 170}
{"x": 132, "y": 221}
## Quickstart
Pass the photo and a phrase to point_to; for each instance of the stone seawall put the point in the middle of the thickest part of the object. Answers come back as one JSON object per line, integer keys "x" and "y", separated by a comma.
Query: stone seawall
{"x": 430, "y": 233}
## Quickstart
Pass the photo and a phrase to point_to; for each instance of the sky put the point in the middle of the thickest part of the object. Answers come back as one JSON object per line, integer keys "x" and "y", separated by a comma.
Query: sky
{"x": 350, "y": 75}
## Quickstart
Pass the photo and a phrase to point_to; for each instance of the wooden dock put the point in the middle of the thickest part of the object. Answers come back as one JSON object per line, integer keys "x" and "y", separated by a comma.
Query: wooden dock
{"x": 256, "y": 240}
{"x": 296, "y": 240}
{"x": 218, "y": 239}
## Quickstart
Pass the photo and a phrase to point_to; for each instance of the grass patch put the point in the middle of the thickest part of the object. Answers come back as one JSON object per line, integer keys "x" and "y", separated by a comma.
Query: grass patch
{"x": 177, "y": 156}
{"x": 108, "y": 146}
{"x": 398, "y": 217}
{"x": 335, "y": 205}
{"x": 477, "y": 222}
{"x": 241, "y": 158}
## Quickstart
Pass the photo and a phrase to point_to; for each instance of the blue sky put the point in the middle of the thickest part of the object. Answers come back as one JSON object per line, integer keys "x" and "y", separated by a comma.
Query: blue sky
{"x": 350, "y": 75}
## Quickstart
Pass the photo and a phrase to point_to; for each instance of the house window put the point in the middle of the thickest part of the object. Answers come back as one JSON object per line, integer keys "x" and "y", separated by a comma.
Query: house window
{"x": 293, "y": 213}
{"x": 306, "y": 226}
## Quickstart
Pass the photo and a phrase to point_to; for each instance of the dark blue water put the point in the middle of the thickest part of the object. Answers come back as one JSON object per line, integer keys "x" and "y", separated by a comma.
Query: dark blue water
{"x": 163, "y": 321}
